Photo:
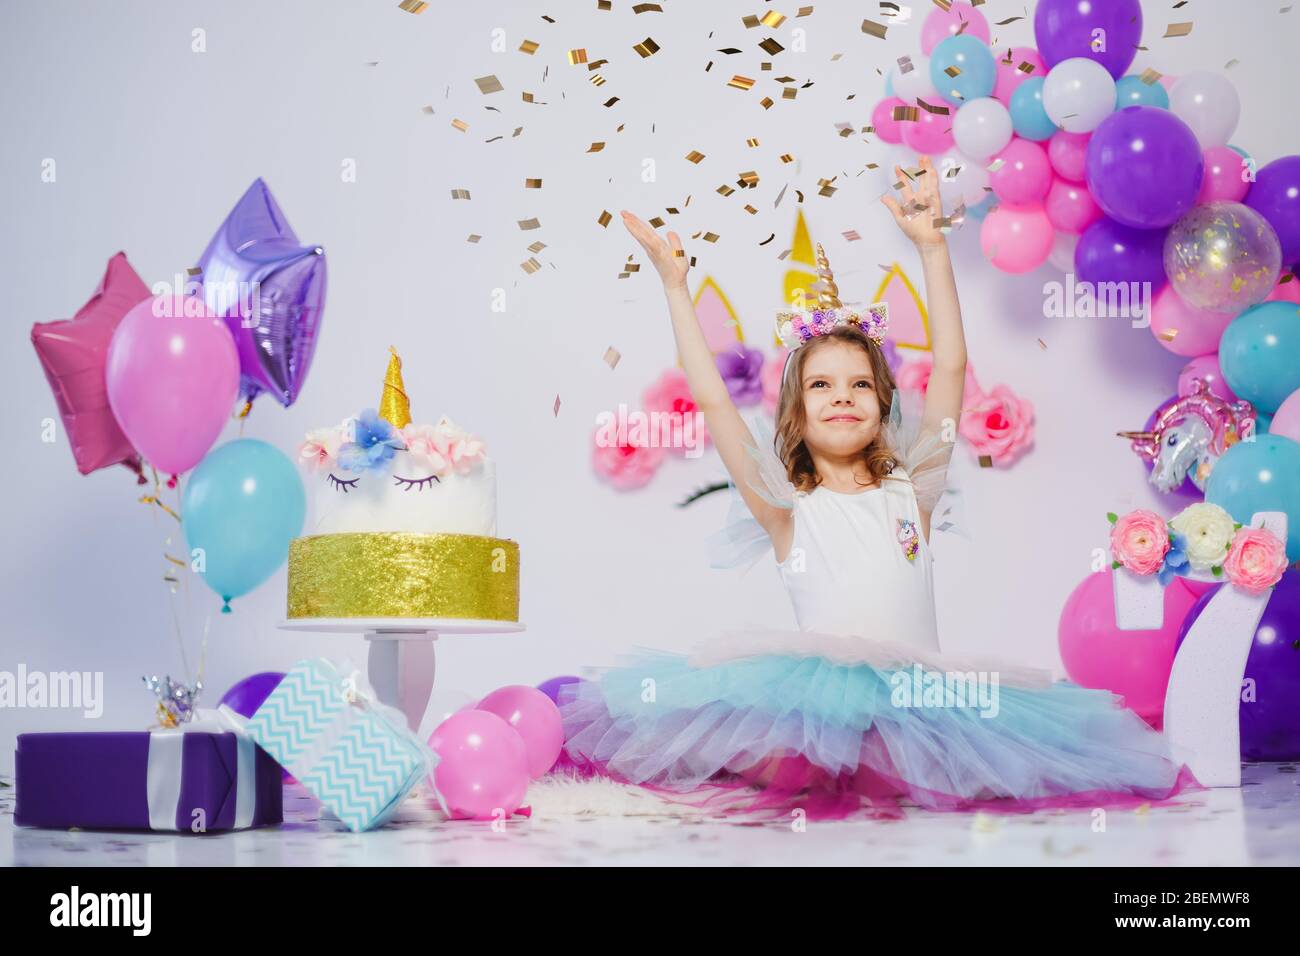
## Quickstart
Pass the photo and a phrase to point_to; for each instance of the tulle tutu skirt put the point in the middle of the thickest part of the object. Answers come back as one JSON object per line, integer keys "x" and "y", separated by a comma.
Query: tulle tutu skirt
{"x": 840, "y": 727}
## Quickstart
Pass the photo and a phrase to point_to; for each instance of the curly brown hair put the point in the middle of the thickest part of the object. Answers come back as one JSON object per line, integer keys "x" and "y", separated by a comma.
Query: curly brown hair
{"x": 791, "y": 420}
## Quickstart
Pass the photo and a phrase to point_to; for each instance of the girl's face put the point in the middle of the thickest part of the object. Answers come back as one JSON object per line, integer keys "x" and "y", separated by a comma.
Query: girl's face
{"x": 839, "y": 398}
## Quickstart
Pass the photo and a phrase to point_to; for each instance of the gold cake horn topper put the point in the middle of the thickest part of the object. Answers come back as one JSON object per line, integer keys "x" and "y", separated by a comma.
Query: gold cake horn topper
{"x": 829, "y": 295}
{"x": 394, "y": 406}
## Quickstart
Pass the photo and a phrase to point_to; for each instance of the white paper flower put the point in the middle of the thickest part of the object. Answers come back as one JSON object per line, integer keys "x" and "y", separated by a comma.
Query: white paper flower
{"x": 1208, "y": 530}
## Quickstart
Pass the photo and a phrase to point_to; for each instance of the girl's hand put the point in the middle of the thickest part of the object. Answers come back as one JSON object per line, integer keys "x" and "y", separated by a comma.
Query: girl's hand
{"x": 668, "y": 257}
{"x": 918, "y": 226}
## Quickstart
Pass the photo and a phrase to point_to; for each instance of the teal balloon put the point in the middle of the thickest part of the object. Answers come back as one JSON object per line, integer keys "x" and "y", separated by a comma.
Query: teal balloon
{"x": 1263, "y": 422}
{"x": 1131, "y": 91}
{"x": 1028, "y": 117}
{"x": 977, "y": 70}
{"x": 1260, "y": 354}
{"x": 242, "y": 506}
{"x": 1260, "y": 475}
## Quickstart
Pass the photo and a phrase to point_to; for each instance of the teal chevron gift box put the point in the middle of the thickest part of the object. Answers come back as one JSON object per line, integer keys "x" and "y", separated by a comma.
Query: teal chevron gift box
{"x": 355, "y": 755}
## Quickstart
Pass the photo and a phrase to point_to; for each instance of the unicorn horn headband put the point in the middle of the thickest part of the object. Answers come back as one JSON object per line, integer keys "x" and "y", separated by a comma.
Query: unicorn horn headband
{"x": 795, "y": 327}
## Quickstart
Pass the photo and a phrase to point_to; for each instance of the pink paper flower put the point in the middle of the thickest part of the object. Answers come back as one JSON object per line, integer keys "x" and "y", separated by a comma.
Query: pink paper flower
{"x": 1139, "y": 541}
{"x": 626, "y": 465}
{"x": 915, "y": 374}
{"x": 1256, "y": 559}
{"x": 320, "y": 450}
{"x": 443, "y": 448}
{"x": 671, "y": 395}
{"x": 998, "y": 424}
{"x": 772, "y": 379}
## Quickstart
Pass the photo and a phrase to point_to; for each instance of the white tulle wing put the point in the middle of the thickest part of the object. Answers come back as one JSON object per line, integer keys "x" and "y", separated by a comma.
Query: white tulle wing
{"x": 922, "y": 451}
{"x": 742, "y": 540}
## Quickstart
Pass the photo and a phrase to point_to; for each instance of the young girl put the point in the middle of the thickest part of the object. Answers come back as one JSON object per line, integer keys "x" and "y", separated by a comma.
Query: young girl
{"x": 857, "y": 708}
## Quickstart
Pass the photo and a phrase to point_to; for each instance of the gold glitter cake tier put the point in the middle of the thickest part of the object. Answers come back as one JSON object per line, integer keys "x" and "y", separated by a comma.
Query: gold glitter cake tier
{"x": 391, "y": 574}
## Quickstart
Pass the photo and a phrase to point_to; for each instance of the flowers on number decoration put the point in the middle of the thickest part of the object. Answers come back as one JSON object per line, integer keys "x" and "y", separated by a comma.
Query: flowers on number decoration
{"x": 1202, "y": 538}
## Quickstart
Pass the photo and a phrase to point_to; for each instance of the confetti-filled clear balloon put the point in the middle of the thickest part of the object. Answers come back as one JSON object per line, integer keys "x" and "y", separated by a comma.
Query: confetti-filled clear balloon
{"x": 1223, "y": 257}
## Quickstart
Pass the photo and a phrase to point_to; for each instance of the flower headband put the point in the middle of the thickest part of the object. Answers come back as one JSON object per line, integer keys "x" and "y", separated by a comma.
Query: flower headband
{"x": 795, "y": 327}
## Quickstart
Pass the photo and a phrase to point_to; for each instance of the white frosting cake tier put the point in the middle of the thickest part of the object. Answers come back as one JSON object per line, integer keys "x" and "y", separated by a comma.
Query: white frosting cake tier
{"x": 405, "y": 497}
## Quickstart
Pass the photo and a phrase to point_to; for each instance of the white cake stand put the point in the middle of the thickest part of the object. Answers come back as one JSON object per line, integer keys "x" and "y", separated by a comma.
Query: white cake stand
{"x": 401, "y": 661}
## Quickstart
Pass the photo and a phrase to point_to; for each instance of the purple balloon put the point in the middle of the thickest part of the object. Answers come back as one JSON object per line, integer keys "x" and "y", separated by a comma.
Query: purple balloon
{"x": 270, "y": 289}
{"x": 1270, "y": 724}
{"x": 1275, "y": 195}
{"x": 251, "y": 692}
{"x": 551, "y": 688}
{"x": 1111, "y": 252}
{"x": 1144, "y": 167}
{"x": 1068, "y": 28}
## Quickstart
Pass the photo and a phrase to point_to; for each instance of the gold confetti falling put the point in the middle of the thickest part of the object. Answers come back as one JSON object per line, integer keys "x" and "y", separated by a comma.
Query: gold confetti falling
{"x": 694, "y": 156}
{"x": 934, "y": 110}
{"x": 647, "y": 48}
{"x": 532, "y": 184}
{"x": 872, "y": 28}
{"x": 531, "y": 266}
{"x": 529, "y": 224}
{"x": 604, "y": 218}
{"x": 749, "y": 179}
{"x": 766, "y": 102}
{"x": 906, "y": 114}
{"x": 577, "y": 56}
{"x": 1177, "y": 30}
{"x": 611, "y": 357}
{"x": 952, "y": 71}
{"x": 412, "y": 6}
{"x": 986, "y": 461}
{"x": 771, "y": 47}
{"x": 852, "y": 235}
{"x": 725, "y": 190}
{"x": 473, "y": 237}
{"x": 1025, "y": 66}
{"x": 1042, "y": 345}
{"x": 460, "y": 194}
{"x": 711, "y": 237}
{"x": 489, "y": 84}
{"x": 427, "y": 109}
{"x": 768, "y": 239}
{"x": 657, "y": 222}
{"x": 1009, "y": 20}
{"x": 647, "y": 8}
{"x": 772, "y": 19}
{"x": 1149, "y": 77}
{"x": 1168, "y": 334}
{"x": 555, "y": 409}
{"x": 595, "y": 147}
{"x": 610, "y": 102}
{"x": 741, "y": 82}
{"x": 529, "y": 46}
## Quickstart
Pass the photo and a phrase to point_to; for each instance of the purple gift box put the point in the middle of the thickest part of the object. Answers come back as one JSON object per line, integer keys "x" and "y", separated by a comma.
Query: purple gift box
{"x": 161, "y": 780}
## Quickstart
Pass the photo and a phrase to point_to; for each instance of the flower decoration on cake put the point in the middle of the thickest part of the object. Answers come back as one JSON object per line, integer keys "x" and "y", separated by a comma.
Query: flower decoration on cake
{"x": 1201, "y": 539}
{"x": 374, "y": 440}
{"x": 794, "y": 327}
{"x": 443, "y": 448}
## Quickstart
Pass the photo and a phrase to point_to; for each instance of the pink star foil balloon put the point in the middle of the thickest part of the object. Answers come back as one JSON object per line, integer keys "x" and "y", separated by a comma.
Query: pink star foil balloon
{"x": 270, "y": 290}
{"x": 73, "y": 353}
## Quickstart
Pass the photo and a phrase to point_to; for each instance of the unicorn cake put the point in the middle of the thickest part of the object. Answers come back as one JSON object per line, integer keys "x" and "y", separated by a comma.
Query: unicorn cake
{"x": 403, "y": 521}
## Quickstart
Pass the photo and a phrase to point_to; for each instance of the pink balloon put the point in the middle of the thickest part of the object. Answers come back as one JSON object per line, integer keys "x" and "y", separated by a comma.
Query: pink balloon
{"x": 1195, "y": 331}
{"x": 1025, "y": 175}
{"x": 1222, "y": 179}
{"x": 882, "y": 119}
{"x": 930, "y": 134}
{"x": 941, "y": 24}
{"x": 172, "y": 374}
{"x": 1206, "y": 368}
{"x": 482, "y": 765}
{"x": 1067, "y": 153}
{"x": 1017, "y": 238}
{"x": 1286, "y": 420}
{"x": 1011, "y": 76}
{"x": 1285, "y": 292}
{"x": 535, "y": 718}
{"x": 1133, "y": 664}
{"x": 1070, "y": 207}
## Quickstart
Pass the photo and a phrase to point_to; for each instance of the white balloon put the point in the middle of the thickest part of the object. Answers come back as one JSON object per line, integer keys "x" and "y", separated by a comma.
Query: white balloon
{"x": 1062, "y": 254}
{"x": 1078, "y": 94}
{"x": 1209, "y": 104}
{"x": 915, "y": 82}
{"x": 982, "y": 127}
{"x": 961, "y": 180}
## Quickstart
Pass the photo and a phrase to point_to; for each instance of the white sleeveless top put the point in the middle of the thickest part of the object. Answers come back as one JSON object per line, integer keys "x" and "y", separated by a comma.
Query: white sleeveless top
{"x": 848, "y": 571}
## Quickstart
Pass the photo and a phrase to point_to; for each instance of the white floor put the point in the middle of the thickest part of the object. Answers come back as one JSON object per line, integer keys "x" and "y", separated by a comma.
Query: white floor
{"x": 1258, "y": 824}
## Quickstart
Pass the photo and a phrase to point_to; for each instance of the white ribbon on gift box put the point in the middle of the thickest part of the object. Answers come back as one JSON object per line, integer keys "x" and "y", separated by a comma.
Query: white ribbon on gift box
{"x": 166, "y": 759}
{"x": 361, "y": 696}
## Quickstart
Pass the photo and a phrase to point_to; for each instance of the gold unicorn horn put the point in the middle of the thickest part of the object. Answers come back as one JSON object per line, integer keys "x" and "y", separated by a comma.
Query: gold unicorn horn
{"x": 394, "y": 406}
{"x": 829, "y": 295}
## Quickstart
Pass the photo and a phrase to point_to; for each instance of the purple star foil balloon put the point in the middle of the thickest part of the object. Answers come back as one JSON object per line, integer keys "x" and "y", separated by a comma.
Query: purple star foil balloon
{"x": 270, "y": 289}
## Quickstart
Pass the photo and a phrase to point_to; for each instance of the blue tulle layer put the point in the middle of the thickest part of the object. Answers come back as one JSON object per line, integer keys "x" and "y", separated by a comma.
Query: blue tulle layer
{"x": 660, "y": 721}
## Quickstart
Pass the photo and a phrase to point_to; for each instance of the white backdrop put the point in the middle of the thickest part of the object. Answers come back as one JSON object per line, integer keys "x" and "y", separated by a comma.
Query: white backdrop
{"x": 154, "y": 142}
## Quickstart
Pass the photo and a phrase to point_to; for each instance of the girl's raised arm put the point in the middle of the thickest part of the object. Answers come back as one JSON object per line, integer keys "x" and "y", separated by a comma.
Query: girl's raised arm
{"x": 728, "y": 430}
